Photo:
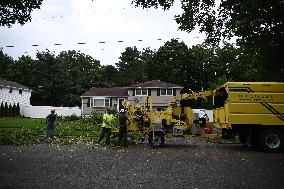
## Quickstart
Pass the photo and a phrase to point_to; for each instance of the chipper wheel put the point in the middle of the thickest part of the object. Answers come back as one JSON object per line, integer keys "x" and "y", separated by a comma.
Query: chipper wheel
{"x": 156, "y": 139}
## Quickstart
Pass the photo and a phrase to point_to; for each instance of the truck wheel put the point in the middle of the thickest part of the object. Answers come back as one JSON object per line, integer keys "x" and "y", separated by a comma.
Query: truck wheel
{"x": 271, "y": 140}
{"x": 158, "y": 139}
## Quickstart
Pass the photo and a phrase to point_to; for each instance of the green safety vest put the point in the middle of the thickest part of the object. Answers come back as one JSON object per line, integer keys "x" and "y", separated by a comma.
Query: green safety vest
{"x": 107, "y": 118}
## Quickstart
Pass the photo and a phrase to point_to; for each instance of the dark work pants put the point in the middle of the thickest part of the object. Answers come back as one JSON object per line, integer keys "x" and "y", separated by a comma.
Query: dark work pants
{"x": 123, "y": 136}
{"x": 105, "y": 133}
{"x": 50, "y": 130}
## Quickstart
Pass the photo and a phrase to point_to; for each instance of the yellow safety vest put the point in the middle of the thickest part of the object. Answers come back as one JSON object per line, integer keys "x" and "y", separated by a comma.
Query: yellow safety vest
{"x": 107, "y": 118}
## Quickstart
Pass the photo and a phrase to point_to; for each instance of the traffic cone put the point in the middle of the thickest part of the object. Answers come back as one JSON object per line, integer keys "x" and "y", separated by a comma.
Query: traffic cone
{"x": 208, "y": 129}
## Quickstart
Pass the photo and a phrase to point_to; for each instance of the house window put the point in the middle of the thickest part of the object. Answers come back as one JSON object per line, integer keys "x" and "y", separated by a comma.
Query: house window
{"x": 20, "y": 91}
{"x": 107, "y": 103}
{"x": 101, "y": 102}
{"x": 10, "y": 91}
{"x": 141, "y": 92}
{"x": 89, "y": 102}
{"x": 98, "y": 102}
{"x": 166, "y": 92}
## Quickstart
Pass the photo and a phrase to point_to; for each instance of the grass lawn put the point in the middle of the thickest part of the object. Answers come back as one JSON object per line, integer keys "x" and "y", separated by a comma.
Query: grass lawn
{"x": 28, "y": 131}
{"x": 21, "y": 122}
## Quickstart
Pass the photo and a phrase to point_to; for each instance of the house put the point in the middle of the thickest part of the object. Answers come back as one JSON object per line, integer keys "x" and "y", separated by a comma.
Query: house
{"x": 99, "y": 99}
{"x": 14, "y": 93}
{"x": 161, "y": 93}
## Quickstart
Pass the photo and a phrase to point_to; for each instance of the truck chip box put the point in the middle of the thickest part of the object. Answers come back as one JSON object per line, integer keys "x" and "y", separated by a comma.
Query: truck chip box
{"x": 252, "y": 110}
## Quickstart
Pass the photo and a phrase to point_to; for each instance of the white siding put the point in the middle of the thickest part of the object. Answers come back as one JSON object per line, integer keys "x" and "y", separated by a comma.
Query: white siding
{"x": 15, "y": 97}
{"x": 158, "y": 101}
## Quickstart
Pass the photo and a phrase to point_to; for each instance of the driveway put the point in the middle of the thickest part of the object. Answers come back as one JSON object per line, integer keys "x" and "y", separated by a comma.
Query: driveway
{"x": 194, "y": 163}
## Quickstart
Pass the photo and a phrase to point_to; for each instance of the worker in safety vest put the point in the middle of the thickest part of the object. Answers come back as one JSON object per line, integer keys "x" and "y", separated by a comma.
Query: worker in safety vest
{"x": 108, "y": 119}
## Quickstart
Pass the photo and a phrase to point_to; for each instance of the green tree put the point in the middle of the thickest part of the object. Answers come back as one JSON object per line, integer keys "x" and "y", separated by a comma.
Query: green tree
{"x": 238, "y": 64}
{"x": 2, "y": 109}
{"x": 258, "y": 25}
{"x": 131, "y": 68}
{"x": 17, "y": 11}
{"x": 173, "y": 63}
{"x": 80, "y": 73}
{"x": 10, "y": 110}
{"x": 147, "y": 56}
{"x": 6, "y": 110}
{"x": 5, "y": 62}
{"x": 21, "y": 71}
{"x": 48, "y": 75}
{"x": 218, "y": 82}
{"x": 18, "y": 110}
{"x": 57, "y": 80}
{"x": 204, "y": 68}
{"x": 109, "y": 76}
{"x": 14, "y": 108}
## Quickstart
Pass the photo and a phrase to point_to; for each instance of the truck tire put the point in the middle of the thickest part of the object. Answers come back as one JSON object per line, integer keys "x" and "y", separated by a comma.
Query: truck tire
{"x": 157, "y": 140}
{"x": 271, "y": 140}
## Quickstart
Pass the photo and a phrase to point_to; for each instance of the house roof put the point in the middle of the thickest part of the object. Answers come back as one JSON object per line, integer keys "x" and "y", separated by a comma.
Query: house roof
{"x": 115, "y": 91}
{"x": 155, "y": 84}
{"x": 11, "y": 84}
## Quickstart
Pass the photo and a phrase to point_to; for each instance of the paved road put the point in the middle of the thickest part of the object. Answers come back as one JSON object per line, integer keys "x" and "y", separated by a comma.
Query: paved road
{"x": 191, "y": 164}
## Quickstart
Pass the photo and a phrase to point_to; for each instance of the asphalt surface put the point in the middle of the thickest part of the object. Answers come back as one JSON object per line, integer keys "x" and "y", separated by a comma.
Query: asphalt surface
{"x": 193, "y": 163}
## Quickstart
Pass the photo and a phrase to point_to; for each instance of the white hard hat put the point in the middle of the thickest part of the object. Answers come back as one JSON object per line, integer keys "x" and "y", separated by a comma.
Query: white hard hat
{"x": 122, "y": 111}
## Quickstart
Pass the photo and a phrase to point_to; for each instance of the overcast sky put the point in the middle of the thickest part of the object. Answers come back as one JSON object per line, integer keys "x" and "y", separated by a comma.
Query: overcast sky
{"x": 69, "y": 22}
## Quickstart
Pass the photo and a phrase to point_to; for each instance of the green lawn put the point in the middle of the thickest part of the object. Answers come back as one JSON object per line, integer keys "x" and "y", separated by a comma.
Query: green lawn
{"x": 21, "y": 122}
{"x": 28, "y": 131}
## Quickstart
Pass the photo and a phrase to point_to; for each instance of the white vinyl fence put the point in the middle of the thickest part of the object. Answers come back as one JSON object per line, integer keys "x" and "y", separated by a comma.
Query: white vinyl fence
{"x": 43, "y": 111}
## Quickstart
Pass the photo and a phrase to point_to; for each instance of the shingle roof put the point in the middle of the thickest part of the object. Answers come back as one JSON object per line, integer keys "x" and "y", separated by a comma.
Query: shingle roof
{"x": 155, "y": 84}
{"x": 115, "y": 91}
{"x": 11, "y": 84}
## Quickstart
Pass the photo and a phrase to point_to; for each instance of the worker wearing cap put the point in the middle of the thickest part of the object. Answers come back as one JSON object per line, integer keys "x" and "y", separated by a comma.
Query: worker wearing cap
{"x": 50, "y": 121}
{"x": 122, "y": 127}
{"x": 108, "y": 119}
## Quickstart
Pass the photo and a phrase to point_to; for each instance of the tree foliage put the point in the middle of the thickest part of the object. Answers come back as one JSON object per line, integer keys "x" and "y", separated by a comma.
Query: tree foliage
{"x": 56, "y": 80}
{"x": 173, "y": 63}
{"x": 2, "y": 109}
{"x": 20, "y": 69}
{"x": 257, "y": 24}
{"x": 131, "y": 67}
{"x": 80, "y": 73}
{"x": 109, "y": 76}
{"x": 5, "y": 62}
{"x": 60, "y": 80}
{"x": 17, "y": 11}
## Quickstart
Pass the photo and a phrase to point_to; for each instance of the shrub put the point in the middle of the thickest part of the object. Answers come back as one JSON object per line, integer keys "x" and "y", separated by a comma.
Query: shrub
{"x": 22, "y": 136}
{"x": 97, "y": 118}
{"x": 73, "y": 117}
{"x": 9, "y": 110}
{"x": 2, "y": 110}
